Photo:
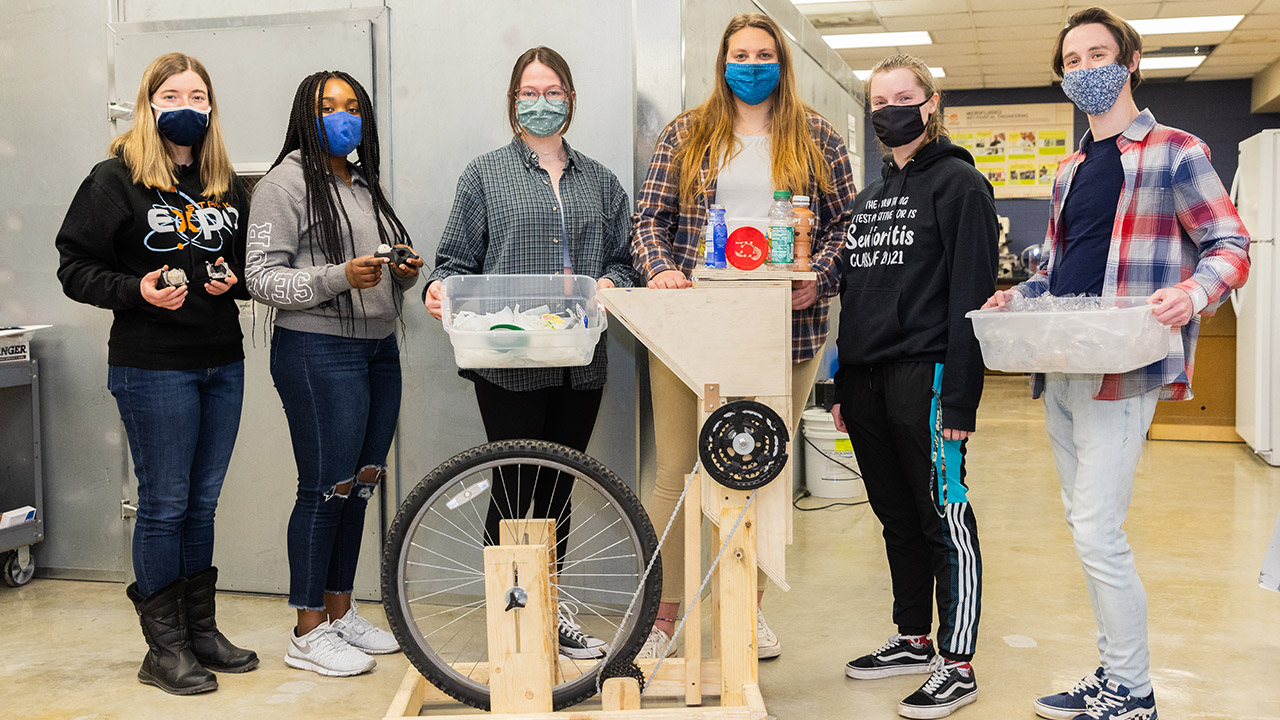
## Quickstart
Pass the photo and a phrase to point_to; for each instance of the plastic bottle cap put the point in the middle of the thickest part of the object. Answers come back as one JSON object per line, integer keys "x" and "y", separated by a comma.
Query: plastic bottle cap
{"x": 781, "y": 194}
{"x": 801, "y": 199}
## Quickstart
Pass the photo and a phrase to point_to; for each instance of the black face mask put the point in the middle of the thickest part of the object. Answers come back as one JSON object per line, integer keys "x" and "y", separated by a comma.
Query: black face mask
{"x": 897, "y": 125}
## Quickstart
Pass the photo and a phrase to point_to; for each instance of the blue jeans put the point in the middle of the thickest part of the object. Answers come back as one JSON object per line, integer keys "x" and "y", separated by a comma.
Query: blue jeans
{"x": 1097, "y": 445}
{"x": 341, "y": 397}
{"x": 182, "y": 427}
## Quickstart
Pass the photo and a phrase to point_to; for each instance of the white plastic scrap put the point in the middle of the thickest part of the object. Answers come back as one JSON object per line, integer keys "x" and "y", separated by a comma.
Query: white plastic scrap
{"x": 539, "y": 318}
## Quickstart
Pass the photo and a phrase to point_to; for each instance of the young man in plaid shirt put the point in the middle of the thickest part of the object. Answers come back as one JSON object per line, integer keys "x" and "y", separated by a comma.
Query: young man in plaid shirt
{"x": 1137, "y": 211}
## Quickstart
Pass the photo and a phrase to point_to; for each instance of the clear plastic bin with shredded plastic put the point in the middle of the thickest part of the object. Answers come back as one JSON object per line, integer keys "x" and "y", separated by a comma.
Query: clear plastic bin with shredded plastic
{"x": 514, "y": 321}
{"x": 1071, "y": 334}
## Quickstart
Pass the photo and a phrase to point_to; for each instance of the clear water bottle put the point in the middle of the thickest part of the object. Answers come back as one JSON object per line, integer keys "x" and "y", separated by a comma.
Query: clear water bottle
{"x": 718, "y": 233}
{"x": 782, "y": 229}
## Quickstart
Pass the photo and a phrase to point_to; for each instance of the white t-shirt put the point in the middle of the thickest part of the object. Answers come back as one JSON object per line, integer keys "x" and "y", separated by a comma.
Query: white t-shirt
{"x": 745, "y": 184}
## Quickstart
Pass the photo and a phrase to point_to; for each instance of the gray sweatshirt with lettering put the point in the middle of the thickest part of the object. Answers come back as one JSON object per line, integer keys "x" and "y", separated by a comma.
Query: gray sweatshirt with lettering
{"x": 285, "y": 267}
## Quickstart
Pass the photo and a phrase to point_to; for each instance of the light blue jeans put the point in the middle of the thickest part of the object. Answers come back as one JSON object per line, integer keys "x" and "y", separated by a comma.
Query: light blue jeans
{"x": 1097, "y": 445}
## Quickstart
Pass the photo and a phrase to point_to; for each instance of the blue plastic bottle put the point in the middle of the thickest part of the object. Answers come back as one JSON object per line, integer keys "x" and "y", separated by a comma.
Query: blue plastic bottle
{"x": 719, "y": 236}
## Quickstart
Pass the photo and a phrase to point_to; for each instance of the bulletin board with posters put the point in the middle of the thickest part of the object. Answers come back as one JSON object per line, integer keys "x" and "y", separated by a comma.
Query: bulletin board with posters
{"x": 1018, "y": 147}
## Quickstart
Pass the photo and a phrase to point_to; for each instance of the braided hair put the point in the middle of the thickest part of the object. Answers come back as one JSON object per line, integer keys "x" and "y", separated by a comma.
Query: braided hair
{"x": 324, "y": 207}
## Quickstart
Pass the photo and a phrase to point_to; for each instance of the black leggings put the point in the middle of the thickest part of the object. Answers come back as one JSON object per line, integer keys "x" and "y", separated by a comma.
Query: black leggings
{"x": 558, "y": 414}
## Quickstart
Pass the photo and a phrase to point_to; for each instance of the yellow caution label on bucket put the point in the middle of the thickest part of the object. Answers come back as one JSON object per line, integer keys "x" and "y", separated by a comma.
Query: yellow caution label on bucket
{"x": 844, "y": 445}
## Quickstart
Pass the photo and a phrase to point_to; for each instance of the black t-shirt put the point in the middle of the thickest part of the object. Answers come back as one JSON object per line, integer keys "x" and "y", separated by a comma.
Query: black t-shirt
{"x": 1088, "y": 215}
{"x": 115, "y": 232}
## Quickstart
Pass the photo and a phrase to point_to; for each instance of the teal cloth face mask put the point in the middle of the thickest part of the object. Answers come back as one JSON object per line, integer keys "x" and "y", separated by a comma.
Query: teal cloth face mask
{"x": 542, "y": 117}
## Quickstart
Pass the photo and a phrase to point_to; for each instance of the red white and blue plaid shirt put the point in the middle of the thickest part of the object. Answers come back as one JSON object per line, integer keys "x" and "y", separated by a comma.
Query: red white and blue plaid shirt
{"x": 667, "y": 233}
{"x": 1175, "y": 226}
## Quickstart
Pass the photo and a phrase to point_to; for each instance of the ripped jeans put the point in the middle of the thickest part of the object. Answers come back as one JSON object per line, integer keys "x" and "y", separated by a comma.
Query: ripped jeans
{"x": 341, "y": 397}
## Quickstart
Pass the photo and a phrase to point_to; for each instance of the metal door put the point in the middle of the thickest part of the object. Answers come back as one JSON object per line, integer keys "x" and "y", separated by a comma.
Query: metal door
{"x": 255, "y": 64}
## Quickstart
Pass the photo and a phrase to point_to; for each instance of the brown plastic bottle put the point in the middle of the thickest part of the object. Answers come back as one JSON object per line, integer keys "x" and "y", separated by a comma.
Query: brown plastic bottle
{"x": 805, "y": 221}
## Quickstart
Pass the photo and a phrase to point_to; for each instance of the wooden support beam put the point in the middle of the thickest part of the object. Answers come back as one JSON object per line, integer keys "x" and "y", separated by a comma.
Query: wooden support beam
{"x": 522, "y": 651}
{"x": 620, "y": 693}
{"x": 692, "y": 579}
{"x": 737, "y": 577}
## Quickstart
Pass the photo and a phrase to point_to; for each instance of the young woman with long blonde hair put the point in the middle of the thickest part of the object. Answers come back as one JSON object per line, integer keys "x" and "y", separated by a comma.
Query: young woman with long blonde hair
{"x": 149, "y": 235}
{"x": 752, "y": 136}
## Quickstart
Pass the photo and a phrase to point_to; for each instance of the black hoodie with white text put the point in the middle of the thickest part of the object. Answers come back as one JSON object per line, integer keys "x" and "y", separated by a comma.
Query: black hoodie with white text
{"x": 921, "y": 252}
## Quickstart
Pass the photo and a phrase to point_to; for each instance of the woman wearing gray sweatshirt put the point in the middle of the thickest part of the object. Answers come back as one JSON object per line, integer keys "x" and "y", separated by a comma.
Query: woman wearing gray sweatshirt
{"x": 315, "y": 225}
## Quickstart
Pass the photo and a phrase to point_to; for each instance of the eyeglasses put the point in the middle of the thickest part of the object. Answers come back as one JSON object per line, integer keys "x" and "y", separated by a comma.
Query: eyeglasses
{"x": 553, "y": 94}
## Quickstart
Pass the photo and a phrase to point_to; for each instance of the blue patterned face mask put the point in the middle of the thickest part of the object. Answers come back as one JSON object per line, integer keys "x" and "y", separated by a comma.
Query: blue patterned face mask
{"x": 752, "y": 82}
{"x": 542, "y": 117}
{"x": 1095, "y": 90}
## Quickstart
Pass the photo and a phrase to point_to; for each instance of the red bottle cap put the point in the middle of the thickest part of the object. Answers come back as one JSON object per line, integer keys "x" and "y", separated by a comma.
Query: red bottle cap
{"x": 746, "y": 248}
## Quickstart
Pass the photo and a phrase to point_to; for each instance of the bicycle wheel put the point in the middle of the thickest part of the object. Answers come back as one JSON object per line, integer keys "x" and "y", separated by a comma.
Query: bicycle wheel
{"x": 433, "y": 562}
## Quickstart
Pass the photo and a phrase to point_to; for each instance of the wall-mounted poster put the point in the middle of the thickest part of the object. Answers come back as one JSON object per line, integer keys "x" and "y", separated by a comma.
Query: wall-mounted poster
{"x": 1018, "y": 147}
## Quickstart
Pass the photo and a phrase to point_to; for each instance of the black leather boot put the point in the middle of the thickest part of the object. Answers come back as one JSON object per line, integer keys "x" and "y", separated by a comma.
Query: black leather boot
{"x": 212, "y": 648}
{"x": 169, "y": 665}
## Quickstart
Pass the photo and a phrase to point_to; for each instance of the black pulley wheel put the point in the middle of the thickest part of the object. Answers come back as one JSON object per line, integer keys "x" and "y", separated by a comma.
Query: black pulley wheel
{"x": 433, "y": 562}
{"x": 743, "y": 445}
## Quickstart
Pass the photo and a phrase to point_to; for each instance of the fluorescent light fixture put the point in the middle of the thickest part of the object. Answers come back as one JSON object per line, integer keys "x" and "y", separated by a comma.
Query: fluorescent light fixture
{"x": 1170, "y": 26}
{"x": 1174, "y": 62}
{"x": 935, "y": 71}
{"x": 814, "y": 2}
{"x": 878, "y": 39}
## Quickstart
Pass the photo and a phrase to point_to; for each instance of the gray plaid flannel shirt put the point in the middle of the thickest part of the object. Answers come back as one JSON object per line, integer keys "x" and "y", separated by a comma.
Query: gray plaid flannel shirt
{"x": 505, "y": 220}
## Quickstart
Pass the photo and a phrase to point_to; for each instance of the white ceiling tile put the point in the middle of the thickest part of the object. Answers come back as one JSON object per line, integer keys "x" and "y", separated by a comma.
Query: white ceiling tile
{"x": 954, "y": 35}
{"x": 1195, "y": 8}
{"x": 1047, "y": 33}
{"x": 906, "y": 23}
{"x": 1221, "y": 74}
{"x": 834, "y": 8}
{"x": 988, "y": 5}
{"x": 1014, "y": 60}
{"x": 1232, "y": 63}
{"x": 957, "y": 63}
{"x": 865, "y": 57}
{"x": 1259, "y": 22}
{"x": 1012, "y": 82}
{"x": 1126, "y": 10}
{"x": 1047, "y": 17}
{"x": 893, "y": 8}
{"x": 1151, "y": 42}
{"x": 1269, "y": 7}
{"x": 1250, "y": 49}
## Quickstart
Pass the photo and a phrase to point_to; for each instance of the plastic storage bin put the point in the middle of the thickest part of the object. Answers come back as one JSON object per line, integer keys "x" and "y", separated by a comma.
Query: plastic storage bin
{"x": 510, "y": 348}
{"x": 1117, "y": 338}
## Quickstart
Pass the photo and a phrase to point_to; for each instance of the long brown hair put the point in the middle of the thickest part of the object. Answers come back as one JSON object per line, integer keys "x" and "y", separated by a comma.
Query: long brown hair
{"x": 933, "y": 127}
{"x": 551, "y": 59}
{"x": 143, "y": 150}
{"x": 797, "y": 161}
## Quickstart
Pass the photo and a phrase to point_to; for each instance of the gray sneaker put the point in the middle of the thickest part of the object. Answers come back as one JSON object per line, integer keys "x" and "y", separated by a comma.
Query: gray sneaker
{"x": 323, "y": 651}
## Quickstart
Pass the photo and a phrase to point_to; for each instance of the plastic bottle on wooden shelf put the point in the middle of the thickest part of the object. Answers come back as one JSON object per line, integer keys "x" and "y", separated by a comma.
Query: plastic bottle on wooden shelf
{"x": 716, "y": 237}
{"x": 805, "y": 222}
{"x": 782, "y": 228}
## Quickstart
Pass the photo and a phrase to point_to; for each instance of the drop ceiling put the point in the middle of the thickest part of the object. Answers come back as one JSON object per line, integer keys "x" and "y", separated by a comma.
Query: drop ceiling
{"x": 1007, "y": 43}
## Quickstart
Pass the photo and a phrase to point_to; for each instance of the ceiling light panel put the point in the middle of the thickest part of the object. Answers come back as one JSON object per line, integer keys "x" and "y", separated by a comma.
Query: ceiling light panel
{"x": 865, "y": 75}
{"x": 1173, "y": 26}
{"x": 874, "y": 40}
{"x": 1170, "y": 63}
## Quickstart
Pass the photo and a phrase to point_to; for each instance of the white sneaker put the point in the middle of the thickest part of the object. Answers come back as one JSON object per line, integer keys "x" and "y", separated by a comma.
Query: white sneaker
{"x": 324, "y": 652}
{"x": 364, "y": 635}
{"x": 573, "y": 642}
{"x": 767, "y": 644}
{"x": 655, "y": 644}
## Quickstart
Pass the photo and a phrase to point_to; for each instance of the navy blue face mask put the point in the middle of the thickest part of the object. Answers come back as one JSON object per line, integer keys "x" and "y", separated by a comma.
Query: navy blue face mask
{"x": 183, "y": 126}
{"x": 343, "y": 130}
{"x": 752, "y": 82}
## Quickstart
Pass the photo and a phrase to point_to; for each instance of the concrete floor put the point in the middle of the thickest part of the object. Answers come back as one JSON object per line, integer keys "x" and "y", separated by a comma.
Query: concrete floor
{"x": 1203, "y": 514}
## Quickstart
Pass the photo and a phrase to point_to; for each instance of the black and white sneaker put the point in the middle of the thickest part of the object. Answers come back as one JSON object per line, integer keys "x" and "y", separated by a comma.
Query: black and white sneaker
{"x": 951, "y": 687}
{"x": 899, "y": 656}
{"x": 573, "y": 642}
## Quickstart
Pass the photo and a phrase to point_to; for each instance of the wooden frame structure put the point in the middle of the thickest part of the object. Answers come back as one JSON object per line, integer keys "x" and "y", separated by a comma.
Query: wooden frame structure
{"x": 729, "y": 337}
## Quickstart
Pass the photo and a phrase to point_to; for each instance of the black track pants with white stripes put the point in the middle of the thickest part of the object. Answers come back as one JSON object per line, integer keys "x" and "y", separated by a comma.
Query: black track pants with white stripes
{"x": 915, "y": 482}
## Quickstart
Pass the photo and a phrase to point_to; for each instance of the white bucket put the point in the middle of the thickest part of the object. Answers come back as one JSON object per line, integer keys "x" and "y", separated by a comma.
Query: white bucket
{"x": 825, "y": 474}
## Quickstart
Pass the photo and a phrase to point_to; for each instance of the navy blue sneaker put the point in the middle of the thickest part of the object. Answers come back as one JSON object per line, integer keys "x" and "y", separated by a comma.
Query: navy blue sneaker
{"x": 1116, "y": 703}
{"x": 1067, "y": 705}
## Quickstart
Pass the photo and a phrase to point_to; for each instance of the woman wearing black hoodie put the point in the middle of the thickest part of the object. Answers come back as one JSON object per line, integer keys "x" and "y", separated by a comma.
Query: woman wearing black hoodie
{"x": 921, "y": 252}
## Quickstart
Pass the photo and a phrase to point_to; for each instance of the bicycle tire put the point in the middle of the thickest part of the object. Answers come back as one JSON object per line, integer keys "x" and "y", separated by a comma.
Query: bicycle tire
{"x": 399, "y": 617}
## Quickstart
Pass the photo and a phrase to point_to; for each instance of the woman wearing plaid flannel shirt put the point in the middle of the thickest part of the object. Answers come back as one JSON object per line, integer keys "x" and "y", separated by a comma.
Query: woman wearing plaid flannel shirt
{"x": 1137, "y": 211}
{"x": 753, "y": 135}
{"x": 538, "y": 206}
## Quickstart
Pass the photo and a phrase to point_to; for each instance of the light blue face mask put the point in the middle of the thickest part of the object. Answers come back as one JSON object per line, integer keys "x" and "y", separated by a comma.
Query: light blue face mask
{"x": 542, "y": 117}
{"x": 1095, "y": 90}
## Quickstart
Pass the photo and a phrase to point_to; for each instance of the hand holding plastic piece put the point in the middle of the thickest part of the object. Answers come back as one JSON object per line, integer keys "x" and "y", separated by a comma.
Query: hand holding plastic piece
{"x": 1173, "y": 306}
{"x": 669, "y": 280}
{"x": 170, "y": 298}
{"x": 365, "y": 271}
{"x": 220, "y": 286}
